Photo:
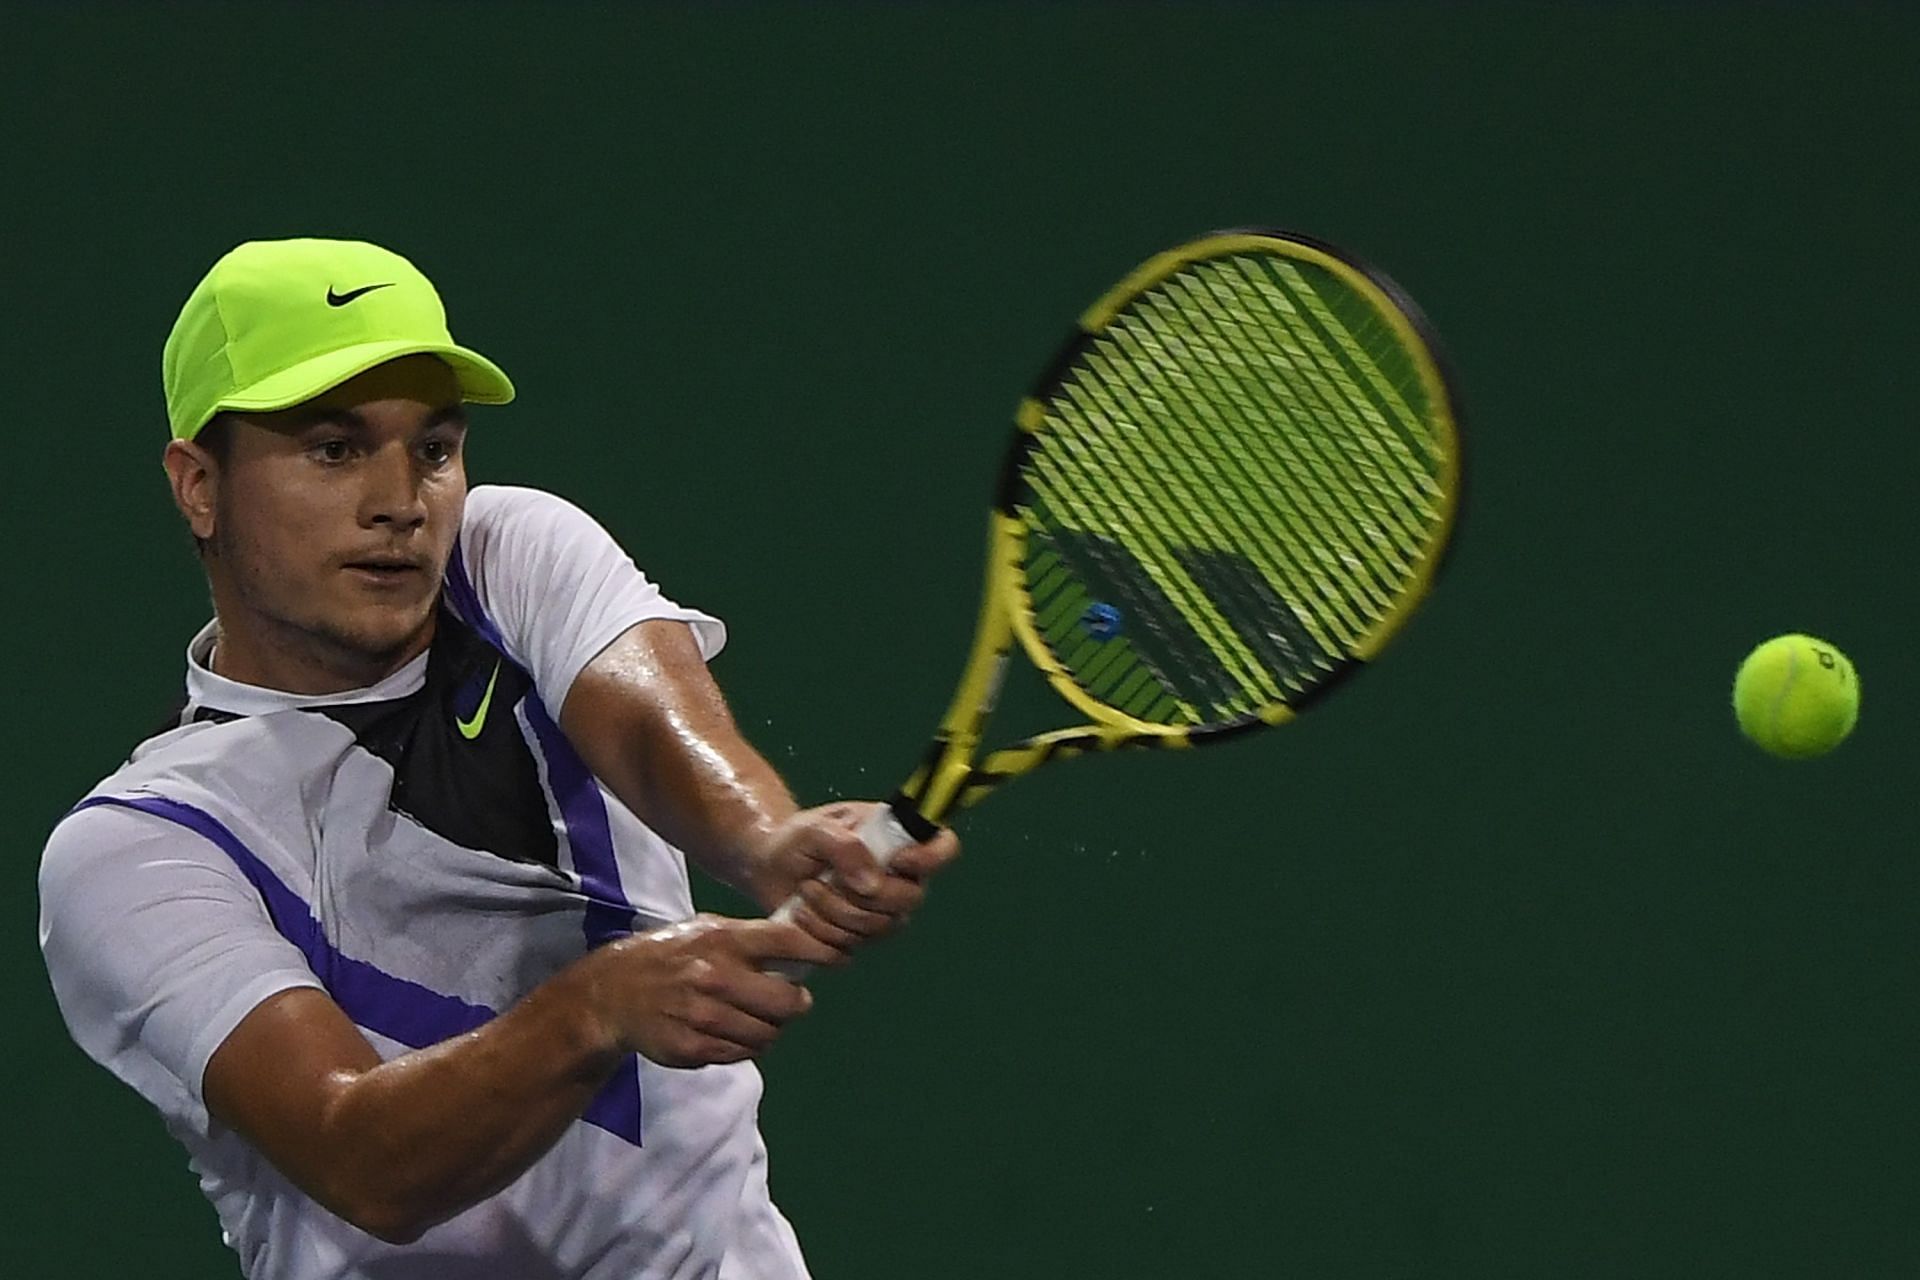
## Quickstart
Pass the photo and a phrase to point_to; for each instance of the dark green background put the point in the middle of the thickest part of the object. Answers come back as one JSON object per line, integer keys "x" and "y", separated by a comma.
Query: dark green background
{"x": 1512, "y": 960}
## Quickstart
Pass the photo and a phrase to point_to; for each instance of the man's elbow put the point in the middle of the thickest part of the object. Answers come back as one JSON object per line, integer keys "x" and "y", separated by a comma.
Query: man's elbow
{"x": 379, "y": 1207}
{"x": 386, "y": 1220}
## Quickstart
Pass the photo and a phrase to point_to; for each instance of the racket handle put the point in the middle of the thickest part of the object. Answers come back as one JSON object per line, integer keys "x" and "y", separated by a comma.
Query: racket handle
{"x": 884, "y": 836}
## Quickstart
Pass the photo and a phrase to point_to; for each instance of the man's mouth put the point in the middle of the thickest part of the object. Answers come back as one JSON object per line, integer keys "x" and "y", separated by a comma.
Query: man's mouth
{"x": 390, "y": 568}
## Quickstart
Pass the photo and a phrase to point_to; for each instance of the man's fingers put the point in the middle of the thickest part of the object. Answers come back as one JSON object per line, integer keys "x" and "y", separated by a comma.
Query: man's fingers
{"x": 841, "y": 940}
{"x": 732, "y": 998}
{"x": 738, "y": 1017}
{"x": 848, "y": 859}
{"x": 847, "y": 813}
{"x": 757, "y": 940}
{"x": 857, "y": 879}
{"x": 918, "y": 861}
{"x": 686, "y": 1047}
{"x": 866, "y": 917}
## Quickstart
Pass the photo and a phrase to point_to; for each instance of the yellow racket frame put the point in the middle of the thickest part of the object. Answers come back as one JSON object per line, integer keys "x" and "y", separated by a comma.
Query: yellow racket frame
{"x": 948, "y": 777}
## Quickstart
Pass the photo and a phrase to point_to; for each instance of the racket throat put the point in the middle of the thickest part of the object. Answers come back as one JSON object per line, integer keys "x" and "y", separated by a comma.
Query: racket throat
{"x": 930, "y": 794}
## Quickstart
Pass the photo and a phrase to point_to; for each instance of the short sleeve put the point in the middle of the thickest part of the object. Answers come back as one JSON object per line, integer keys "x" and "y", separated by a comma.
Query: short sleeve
{"x": 556, "y": 585}
{"x": 157, "y": 947}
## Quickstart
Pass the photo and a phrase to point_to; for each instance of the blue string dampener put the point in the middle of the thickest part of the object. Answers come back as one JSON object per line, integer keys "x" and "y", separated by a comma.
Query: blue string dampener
{"x": 1101, "y": 620}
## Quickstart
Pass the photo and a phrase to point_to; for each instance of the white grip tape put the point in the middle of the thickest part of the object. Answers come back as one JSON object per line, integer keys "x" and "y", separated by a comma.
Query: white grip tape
{"x": 884, "y": 836}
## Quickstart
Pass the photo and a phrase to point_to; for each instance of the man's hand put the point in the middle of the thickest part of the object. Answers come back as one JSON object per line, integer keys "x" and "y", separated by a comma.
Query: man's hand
{"x": 695, "y": 993}
{"x": 395, "y": 1146}
{"x": 649, "y": 721}
{"x": 846, "y": 896}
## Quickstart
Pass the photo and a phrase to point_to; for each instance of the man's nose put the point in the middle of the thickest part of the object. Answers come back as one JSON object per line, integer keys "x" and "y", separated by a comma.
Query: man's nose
{"x": 393, "y": 494}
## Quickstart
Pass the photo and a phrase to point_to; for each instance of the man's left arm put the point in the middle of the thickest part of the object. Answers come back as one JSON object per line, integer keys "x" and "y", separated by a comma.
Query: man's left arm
{"x": 648, "y": 719}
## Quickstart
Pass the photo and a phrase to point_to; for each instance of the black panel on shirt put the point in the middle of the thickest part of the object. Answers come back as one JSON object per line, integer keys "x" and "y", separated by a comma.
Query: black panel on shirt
{"x": 201, "y": 715}
{"x": 482, "y": 792}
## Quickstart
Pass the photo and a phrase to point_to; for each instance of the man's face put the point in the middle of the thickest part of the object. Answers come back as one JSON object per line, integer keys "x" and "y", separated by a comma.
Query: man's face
{"x": 332, "y": 521}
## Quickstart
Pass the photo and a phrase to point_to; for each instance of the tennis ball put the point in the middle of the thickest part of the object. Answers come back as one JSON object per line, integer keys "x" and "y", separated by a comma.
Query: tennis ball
{"x": 1796, "y": 697}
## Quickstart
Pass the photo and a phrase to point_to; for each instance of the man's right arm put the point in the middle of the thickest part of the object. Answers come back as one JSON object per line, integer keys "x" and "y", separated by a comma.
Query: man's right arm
{"x": 170, "y": 972}
{"x": 394, "y": 1147}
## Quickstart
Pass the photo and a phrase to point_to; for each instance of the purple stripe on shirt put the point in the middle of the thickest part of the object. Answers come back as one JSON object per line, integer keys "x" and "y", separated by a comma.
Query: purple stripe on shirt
{"x": 608, "y": 913}
{"x": 582, "y": 810}
{"x": 398, "y": 1008}
{"x": 466, "y": 601}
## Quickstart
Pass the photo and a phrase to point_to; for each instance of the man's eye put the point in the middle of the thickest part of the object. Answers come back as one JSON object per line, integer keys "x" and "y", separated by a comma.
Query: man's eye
{"x": 437, "y": 451}
{"x": 332, "y": 450}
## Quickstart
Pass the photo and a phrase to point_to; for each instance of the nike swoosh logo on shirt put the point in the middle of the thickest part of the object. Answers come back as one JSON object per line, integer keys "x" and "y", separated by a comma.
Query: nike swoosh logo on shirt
{"x": 470, "y": 729}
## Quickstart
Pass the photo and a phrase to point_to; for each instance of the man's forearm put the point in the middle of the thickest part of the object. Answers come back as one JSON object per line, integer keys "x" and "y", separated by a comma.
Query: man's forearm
{"x": 394, "y": 1147}
{"x": 714, "y": 797}
{"x": 647, "y": 718}
{"x": 651, "y": 724}
{"x": 410, "y": 1142}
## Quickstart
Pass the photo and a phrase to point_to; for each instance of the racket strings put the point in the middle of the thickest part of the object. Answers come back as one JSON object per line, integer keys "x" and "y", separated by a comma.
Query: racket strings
{"x": 1241, "y": 466}
{"x": 1141, "y": 568}
{"x": 1270, "y": 373}
{"x": 1289, "y": 372}
{"x": 1113, "y": 393}
{"x": 1367, "y": 345}
{"x": 1213, "y": 424}
{"x": 1306, "y": 490}
{"x": 1201, "y": 463}
{"x": 1219, "y": 670}
{"x": 1119, "y": 672}
{"x": 1097, "y": 542}
{"x": 1398, "y": 440}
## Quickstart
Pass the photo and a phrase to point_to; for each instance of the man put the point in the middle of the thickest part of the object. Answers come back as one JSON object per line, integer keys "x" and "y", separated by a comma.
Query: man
{"x": 392, "y": 923}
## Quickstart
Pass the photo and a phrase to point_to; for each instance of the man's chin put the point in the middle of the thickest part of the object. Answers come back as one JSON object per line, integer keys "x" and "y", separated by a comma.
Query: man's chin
{"x": 384, "y": 639}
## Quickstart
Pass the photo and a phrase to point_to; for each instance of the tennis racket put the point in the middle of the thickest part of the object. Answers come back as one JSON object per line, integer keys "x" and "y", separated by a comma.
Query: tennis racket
{"x": 1229, "y": 489}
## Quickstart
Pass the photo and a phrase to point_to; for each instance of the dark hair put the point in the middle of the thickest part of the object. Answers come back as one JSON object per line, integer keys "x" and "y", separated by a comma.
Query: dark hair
{"x": 217, "y": 436}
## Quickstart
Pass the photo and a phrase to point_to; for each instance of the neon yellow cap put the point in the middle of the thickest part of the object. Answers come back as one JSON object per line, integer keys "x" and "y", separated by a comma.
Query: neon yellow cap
{"x": 276, "y": 322}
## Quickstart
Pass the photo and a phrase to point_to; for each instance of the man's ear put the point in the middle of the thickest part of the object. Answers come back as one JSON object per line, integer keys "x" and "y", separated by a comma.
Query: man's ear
{"x": 194, "y": 475}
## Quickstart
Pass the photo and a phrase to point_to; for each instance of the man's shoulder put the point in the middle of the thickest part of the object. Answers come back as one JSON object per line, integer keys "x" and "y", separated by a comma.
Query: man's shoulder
{"x": 518, "y": 514}
{"x": 222, "y": 761}
{"x": 183, "y": 735}
{"x": 522, "y": 541}
{"x": 131, "y": 816}
{"x": 491, "y": 504}
{"x": 199, "y": 785}
{"x": 207, "y": 738}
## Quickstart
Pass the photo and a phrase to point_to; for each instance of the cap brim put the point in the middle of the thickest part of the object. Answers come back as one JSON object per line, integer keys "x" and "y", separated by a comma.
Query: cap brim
{"x": 481, "y": 380}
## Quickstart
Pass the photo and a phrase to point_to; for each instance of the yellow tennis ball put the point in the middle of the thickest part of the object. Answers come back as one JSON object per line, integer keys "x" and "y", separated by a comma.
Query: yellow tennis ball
{"x": 1796, "y": 697}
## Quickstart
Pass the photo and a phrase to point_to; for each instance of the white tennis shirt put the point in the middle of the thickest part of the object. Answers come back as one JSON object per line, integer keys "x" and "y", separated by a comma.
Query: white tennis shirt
{"x": 365, "y": 844}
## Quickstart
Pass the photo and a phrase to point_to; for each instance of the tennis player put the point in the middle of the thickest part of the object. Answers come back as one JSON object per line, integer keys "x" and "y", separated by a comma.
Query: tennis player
{"x": 392, "y": 921}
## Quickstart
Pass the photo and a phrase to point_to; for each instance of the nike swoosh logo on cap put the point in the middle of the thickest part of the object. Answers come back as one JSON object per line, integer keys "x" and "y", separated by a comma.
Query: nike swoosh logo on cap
{"x": 470, "y": 729}
{"x": 342, "y": 299}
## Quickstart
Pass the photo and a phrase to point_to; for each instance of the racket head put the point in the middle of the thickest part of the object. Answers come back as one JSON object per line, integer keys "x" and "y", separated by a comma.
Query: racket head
{"x": 1229, "y": 489}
